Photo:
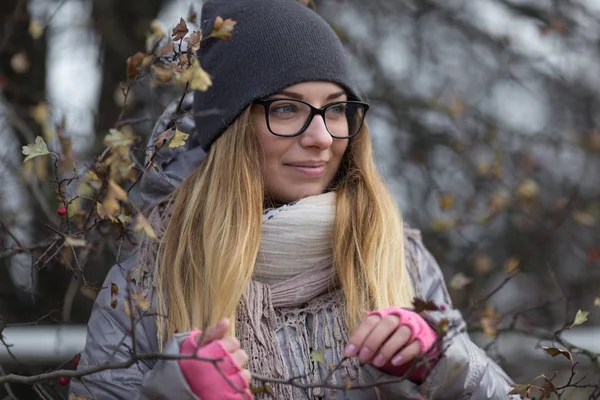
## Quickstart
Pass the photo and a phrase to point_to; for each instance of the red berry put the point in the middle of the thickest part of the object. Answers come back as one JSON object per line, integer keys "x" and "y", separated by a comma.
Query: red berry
{"x": 62, "y": 211}
{"x": 75, "y": 361}
{"x": 63, "y": 381}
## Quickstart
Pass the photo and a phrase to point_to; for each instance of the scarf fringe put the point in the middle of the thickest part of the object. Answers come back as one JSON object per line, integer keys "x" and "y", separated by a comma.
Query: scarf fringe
{"x": 311, "y": 333}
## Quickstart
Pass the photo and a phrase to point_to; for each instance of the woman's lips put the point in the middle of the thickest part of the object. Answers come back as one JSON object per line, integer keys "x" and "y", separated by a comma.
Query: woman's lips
{"x": 312, "y": 171}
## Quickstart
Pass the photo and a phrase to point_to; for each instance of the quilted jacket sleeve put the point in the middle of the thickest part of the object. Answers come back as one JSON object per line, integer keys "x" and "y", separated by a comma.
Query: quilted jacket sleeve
{"x": 110, "y": 341}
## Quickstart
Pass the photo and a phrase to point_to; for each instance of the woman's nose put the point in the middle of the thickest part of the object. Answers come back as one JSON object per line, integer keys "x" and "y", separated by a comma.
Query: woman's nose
{"x": 316, "y": 134}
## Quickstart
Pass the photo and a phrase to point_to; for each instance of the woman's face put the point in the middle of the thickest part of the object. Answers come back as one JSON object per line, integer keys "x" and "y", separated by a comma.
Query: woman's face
{"x": 304, "y": 165}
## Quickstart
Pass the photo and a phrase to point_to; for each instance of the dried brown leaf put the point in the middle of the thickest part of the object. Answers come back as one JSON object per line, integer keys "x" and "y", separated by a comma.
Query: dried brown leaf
{"x": 180, "y": 30}
{"x": 163, "y": 138}
{"x": 553, "y": 351}
{"x": 133, "y": 64}
{"x": 165, "y": 50}
{"x": 163, "y": 73}
{"x": 421, "y": 305}
{"x": 193, "y": 41}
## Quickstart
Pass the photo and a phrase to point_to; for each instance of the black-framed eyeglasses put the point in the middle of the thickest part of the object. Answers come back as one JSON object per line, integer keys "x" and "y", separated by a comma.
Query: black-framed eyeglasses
{"x": 291, "y": 117}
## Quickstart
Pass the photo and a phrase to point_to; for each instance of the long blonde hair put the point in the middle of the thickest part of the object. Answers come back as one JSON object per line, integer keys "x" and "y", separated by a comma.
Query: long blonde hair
{"x": 207, "y": 255}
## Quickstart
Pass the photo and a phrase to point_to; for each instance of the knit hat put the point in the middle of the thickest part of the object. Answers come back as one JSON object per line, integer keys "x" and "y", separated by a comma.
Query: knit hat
{"x": 275, "y": 44}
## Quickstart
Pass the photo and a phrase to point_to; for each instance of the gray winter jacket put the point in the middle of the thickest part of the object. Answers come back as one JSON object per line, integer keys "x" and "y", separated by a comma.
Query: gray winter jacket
{"x": 464, "y": 372}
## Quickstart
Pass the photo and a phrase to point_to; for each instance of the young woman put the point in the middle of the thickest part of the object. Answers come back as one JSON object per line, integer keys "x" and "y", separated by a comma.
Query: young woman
{"x": 279, "y": 240}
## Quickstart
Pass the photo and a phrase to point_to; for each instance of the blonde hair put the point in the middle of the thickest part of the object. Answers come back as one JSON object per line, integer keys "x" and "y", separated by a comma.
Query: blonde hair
{"x": 207, "y": 255}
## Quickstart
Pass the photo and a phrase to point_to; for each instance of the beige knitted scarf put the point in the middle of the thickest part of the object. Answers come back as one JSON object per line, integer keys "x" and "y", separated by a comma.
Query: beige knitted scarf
{"x": 291, "y": 320}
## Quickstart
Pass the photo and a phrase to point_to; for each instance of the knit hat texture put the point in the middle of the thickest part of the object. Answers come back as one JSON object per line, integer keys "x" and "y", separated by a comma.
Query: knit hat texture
{"x": 275, "y": 44}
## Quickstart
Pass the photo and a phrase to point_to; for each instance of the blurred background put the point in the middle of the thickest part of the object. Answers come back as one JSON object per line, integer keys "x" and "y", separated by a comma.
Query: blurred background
{"x": 486, "y": 124}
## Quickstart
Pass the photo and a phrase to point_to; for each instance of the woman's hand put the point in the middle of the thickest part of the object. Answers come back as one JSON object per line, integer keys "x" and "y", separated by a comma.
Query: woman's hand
{"x": 232, "y": 345}
{"x": 227, "y": 377}
{"x": 391, "y": 339}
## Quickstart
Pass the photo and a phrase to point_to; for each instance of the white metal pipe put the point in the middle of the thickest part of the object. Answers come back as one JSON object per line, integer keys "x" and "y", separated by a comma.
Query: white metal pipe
{"x": 53, "y": 344}
{"x": 42, "y": 344}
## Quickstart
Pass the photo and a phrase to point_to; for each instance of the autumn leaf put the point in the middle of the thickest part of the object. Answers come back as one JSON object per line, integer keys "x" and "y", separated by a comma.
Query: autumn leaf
{"x": 421, "y": 305}
{"x": 20, "y": 62}
{"x": 223, "y": 29}
{"x": 483, "y": 263}
{"x": 547, "y": 388}
{"x": 39, "y": 113}
{"x": 155, "y": 35}
{"x": 348, "y": 385}
{"x": 163, "y": 73}
{"x": 520, "y": 389}
{"x": 180, "y": 30}
{"x": 36, "y": 29}
{"x": 117, "y": 191}
{"x": 442, "y": 327}
{"x": 116, "y": 138}
{"x": 197, "y": 77}
{"x": 318, "y": 356}
{"x": 102, "y": 211}
{"x": 580, "y": 317}
{"x": 310, "y": 3}
{"x": 489, "y": 321}
{"x": 443, "y": 224}
{"x": 192, "y": 15}
{"x": 141, "y": 303}
{"x": 459, "y": 281}
{"x": 110, "y": 206}
{"x": 512, "y": 266}
{"x": 446, "y": 201}
{"x": 528, "y": 190}
{"x": 266, "y": 388}
{"x": 456, "y": 108}
{"x": 193, "y": 41}
{"x": 75, "y": 242}
{"x": 39, "y": 148}
{"x": 178, "y": 139}
{"x": 553, "y": 351}
{"x": 133, "y": 64}
{"x": 584, "y": 218}
{"x": 73, "y": 397}
{"x": 142, "y": 224}
{"x": 165, "y": 50}
{"x": 114, "y": 292}
{"x": 91, "y": 176}
{"x": 156, "y": 29}
{"x": 163, "y": 138}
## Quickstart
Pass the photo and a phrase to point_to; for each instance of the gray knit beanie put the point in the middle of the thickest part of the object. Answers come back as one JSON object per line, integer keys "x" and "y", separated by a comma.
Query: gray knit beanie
{"x": 275, "y": 44}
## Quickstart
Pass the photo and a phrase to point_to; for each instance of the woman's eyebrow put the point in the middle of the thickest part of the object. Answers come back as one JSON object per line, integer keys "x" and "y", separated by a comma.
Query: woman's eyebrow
{"x": 301, "y": 97}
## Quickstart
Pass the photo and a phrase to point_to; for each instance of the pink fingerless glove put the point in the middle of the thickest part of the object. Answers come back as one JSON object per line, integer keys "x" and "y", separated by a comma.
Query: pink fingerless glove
{"x": 204, "y": 378}
{"x": 420, "y": 331}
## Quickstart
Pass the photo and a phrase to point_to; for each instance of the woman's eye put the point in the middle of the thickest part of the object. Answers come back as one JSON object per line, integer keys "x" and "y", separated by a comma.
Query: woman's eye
{"x": 338, "y": 109}
{"x": 283, "y": 108}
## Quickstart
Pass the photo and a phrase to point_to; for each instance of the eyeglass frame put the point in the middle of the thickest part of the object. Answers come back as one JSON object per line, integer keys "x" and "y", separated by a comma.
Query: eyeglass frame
{"x": 266, "y": 103}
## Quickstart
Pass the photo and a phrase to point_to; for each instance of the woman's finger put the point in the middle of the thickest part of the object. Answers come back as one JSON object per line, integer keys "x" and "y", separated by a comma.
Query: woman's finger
{"x": 408, "y": 354}
{"x": 230, "y": 343}
{"x": 240, "y": 357}
{"x": 215, "y": 332}
{"x": 378, "y": 337}
{"x": 369, "y": 337}
{"x": 359, "y": 336}
{"x": 246, "y": 375}
{"x": 393, "y": 345}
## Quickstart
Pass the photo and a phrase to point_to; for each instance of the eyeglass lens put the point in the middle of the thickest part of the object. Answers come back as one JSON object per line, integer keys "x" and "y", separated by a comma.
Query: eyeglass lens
{"x": 288, "y": 117}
